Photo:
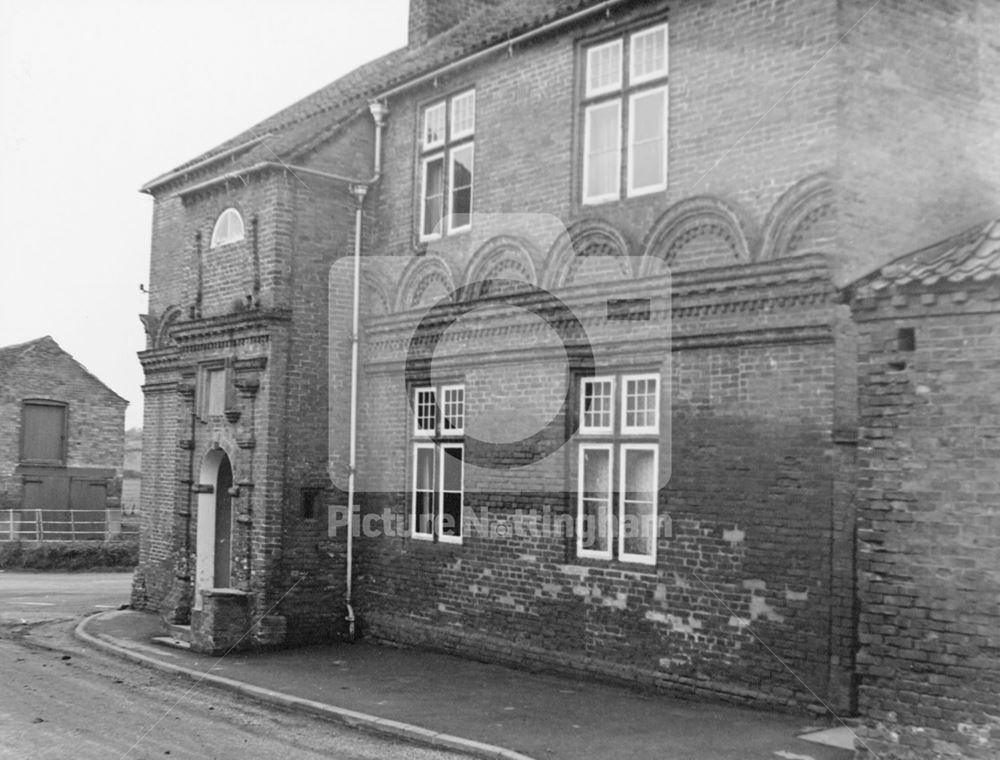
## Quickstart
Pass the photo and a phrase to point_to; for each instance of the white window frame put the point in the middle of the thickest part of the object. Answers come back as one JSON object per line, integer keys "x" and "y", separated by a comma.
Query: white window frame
{"x": 220, "y": 236}
{"x": 449, "y": 210}
{"x": 623, "y": 449}
{"x": 440, "y": 226}
{"x": 611, "y": 195}
{"x": 417, "y": 430}
{"x": 439, "y": 492}
{"x": 444, "y": 390}
{"x": 653, "y": 429}
{"x": 581, "y": 550}
{"x": 414, "y": 533}
{"x": 455, "y": 101}
{"x": 597, "y": 429}
{"x": 634, "y": 191}
{"x": 431, "y": 145}
{"x": 611, "y": 86}
{"x": 634, "y": 78}
{"x": 444, "y": 149}
{"x": 625, "y": 92}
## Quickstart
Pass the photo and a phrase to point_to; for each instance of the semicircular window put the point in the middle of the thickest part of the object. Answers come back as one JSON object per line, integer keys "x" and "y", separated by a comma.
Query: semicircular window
{"x": 228, "y": 228}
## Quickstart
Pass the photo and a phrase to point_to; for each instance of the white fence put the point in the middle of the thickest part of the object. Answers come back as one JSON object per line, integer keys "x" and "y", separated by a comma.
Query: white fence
{"x": 59, "y": 524}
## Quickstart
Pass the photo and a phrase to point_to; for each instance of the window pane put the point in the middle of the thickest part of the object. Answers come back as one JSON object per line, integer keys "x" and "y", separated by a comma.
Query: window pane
{"x": 638, "y": 507}
{"x": 434, "y": 126}
{"x": 215, "y": 390}
{"x": 454, "y": 409}
{"x": 595, "y": 499}
{"x": 649, "y": 54}
{"x": 648, "y": 140}
{"x": 641, "y": 400}
{"x": 425, "y": 411}
{"x": 461, "y": 187}
{"x": 451, "y": 491}
{"x": 604, "y": 68}
{"x": 463, "y": 115}
{"x": 603, "y": 155}
{"x": 597, "y": 398}
{"x": 423, "y": 490}
{"x": 433, "y": 195}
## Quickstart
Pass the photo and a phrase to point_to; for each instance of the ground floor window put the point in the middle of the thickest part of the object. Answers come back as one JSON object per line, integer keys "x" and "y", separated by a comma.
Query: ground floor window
{"x": 617, "y": 468}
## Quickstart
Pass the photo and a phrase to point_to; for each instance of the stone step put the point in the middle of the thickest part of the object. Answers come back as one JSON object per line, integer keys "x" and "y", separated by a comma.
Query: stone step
{"x": 181, "y": 632}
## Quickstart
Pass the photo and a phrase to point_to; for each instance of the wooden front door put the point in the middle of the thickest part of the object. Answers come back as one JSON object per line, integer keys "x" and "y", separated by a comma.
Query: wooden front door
{"x": 223, "y": 525}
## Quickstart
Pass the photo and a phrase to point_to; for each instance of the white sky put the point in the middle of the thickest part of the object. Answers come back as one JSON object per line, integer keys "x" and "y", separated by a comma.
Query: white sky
{"x": 99, "y": 96}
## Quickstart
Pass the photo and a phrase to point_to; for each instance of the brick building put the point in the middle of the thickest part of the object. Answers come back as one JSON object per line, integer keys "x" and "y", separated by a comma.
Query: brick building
{"x": 61, "y": 444}
{"x": 597, "y": 290}
{"x": 929, "y": 500}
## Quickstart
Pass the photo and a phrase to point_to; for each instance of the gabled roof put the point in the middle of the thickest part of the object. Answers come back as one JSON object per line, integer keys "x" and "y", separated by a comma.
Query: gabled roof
{"x": 296, "y": 127}
{"x": 10, "y": 355}
{"x": 972, "y": 256}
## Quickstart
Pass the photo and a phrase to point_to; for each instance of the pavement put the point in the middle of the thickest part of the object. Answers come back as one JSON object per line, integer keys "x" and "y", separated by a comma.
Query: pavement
{"x": 479, "y": 709}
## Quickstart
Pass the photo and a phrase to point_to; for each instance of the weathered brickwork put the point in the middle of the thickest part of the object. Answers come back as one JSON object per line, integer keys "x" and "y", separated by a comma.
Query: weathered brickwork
{"x": 95, "y": 415}
{"x": 794, "y": 159}
{"x": 929, "y": 489}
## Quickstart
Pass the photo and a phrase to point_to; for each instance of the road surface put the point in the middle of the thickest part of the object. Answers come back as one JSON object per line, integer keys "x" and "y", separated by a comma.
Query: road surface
{"x": 61, "y": 699}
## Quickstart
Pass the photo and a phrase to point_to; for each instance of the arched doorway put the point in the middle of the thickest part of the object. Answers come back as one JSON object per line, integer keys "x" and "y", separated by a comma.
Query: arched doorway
{"x": 215, "y": 524}
{"x": 221, "y": 569}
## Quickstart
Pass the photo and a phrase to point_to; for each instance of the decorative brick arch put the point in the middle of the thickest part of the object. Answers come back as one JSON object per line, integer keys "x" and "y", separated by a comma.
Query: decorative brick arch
{"x": 163, "y": 337}
{"x": 801, "y": 219}
{"x": 566, "y": 261}
{"x": 698, "y": 233}
{"x": 425, "y": 281}
{"x": 505, "y": 258}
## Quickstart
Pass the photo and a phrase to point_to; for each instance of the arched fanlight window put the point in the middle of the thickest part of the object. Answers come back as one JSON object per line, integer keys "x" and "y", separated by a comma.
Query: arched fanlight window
{"x": 228, "y": 228}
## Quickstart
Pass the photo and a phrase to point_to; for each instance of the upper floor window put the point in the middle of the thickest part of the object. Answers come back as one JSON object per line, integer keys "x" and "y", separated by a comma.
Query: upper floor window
{"x": 228, "y": 228}
{"x": 43, "y": 432}
{"x": 617, "y": 468}
{"x": 211, "y": 400}
{"x": 625, "y": 116}
{"x": 446, "y": 165}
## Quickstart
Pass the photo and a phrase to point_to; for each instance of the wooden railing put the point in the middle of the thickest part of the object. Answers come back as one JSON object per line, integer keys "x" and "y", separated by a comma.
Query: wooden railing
{"x": 59, "y": 524}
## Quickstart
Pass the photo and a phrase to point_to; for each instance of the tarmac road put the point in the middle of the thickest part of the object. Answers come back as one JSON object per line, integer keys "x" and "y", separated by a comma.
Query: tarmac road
{"x": 37, "y": 597}
{"x": 60, "y": 699}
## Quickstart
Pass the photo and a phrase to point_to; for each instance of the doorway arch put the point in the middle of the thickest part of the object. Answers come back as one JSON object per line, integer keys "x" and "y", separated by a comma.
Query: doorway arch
{"x": 215, "y": 524}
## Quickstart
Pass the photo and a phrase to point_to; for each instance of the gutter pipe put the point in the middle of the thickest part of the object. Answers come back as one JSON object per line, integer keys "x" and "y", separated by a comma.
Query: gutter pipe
{"x": 359, "y": 190}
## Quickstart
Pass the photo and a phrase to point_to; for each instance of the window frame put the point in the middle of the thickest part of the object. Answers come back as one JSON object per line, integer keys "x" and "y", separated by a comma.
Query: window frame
{"x": 581, "y": 551}
{"x": 414, "y": 533}
{"x": 653, "y": 429}
{"x": 203, "y": 398}
{"x": 452, "y": 142}
{"x": 217, "y": 240}
{"x": 441, "y": 453}
{"x": 618, "y": 440}
{"x": 623, "y": 449}
{"x": 438, "y": 441}
{"x": 608, "y": 429}
{"x": 630, "y": 88}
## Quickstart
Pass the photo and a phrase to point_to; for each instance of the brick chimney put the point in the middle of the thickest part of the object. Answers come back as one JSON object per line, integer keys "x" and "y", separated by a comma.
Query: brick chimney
{"x": 429, "y": 18}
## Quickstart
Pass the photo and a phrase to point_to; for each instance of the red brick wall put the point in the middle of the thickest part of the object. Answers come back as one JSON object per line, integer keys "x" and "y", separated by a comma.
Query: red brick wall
{"x": 929, "y": 658}
{"x": 729, "y": 65}
{"x": 752, "y": 499}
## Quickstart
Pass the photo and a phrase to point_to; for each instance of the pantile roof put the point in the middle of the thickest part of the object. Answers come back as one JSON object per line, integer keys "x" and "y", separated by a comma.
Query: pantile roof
{"x": 970, "y": 256}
